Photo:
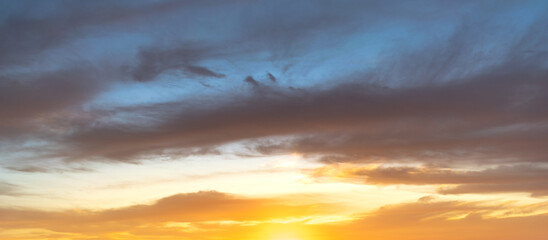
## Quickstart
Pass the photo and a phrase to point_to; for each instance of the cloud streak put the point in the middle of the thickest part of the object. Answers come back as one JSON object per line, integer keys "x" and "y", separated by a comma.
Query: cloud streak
{"x": 206, "y": 206}
{"x": 517, "y": 178}
{"x": 213, "y": 214}
{"x": 361, "y": 120}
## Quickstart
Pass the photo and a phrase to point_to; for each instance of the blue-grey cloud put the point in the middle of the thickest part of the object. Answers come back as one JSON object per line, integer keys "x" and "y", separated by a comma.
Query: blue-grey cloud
{"x": 462, "y": 92}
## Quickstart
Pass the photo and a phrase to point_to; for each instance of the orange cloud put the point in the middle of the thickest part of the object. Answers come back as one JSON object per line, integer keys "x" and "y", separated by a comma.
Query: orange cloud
{"x": 453, "y": 220}
{"x": 178, "y": 215}
{"x": 214, "y": 215}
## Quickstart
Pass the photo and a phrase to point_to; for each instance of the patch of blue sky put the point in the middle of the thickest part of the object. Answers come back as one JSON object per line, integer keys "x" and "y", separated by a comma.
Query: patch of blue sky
{"x": 130, "y": 93}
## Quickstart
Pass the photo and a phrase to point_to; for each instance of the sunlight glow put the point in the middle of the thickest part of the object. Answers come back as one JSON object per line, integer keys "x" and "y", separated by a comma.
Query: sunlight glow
{"x": 285, "y": 236}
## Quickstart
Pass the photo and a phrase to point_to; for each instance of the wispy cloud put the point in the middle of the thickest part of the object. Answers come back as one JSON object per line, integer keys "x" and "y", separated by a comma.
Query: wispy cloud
{"x": 517, "y": 178}
{"x": 214, "y": 214}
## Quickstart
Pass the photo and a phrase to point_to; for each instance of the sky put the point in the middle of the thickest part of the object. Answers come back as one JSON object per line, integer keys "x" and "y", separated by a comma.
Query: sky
{"x": 274, "y": 120}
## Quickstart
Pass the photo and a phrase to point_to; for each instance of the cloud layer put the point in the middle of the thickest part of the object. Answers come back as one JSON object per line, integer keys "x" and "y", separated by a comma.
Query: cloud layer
{"x": 518, "y": 178}
{"x": 441, "y": 95}
{"x": 210, "y": 215}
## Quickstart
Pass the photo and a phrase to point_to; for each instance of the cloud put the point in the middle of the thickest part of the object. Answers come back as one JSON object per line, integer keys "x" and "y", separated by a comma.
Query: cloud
{"x": 440, "y": 101}
{"x": 516, "y": 178}
{"x": 34, "y": 106}
{"x": 493, "y": 112}
{"x": 439, "y": 122}
{"x": 537, "y": 189}
{"x": 211, "y": 215}
{"x": 251, "y": 81}
{"x": 253, "y": 28}
{"x": 8, "y": 189}
{"x": 437, "y": 84}
{"x": 271, "y": 77}
{"x": 40, "y": 169}
{"x": 443, "y": 219}
{"x": 205, "y": 206}
{"x": 156, "y": 60}
{"x": 29, "y": 96}
{"x": 29, "y": 169}
{"x": 28, "y": 31}
{"x": 203, "y": 71}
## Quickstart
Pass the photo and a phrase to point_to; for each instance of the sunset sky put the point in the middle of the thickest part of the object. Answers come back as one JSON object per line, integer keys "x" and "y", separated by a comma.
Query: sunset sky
{"x": 274, "y": 120}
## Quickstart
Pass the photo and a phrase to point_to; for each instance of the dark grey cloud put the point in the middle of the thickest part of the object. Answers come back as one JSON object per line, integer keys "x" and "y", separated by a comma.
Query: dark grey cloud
{"x": 29, "y": 96}
{"x": 32, "y": 98}
{"x": 154, "y": 61}
{"x": 420, "y": 103}
{"x": 493, "y": 114}
{"x": 483, "y": 115}
{"x": 271, "y": 77}
{"x": 33, "y": 105}
{"x": 283, "y": 30}
{"x": 251, "y": 81}
{"x": 203, "y": 71}
{"x": 28, "y": 30}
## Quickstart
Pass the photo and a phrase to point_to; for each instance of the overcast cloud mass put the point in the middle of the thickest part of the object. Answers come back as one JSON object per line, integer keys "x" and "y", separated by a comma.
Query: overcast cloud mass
{"x": 447, "y": 96}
